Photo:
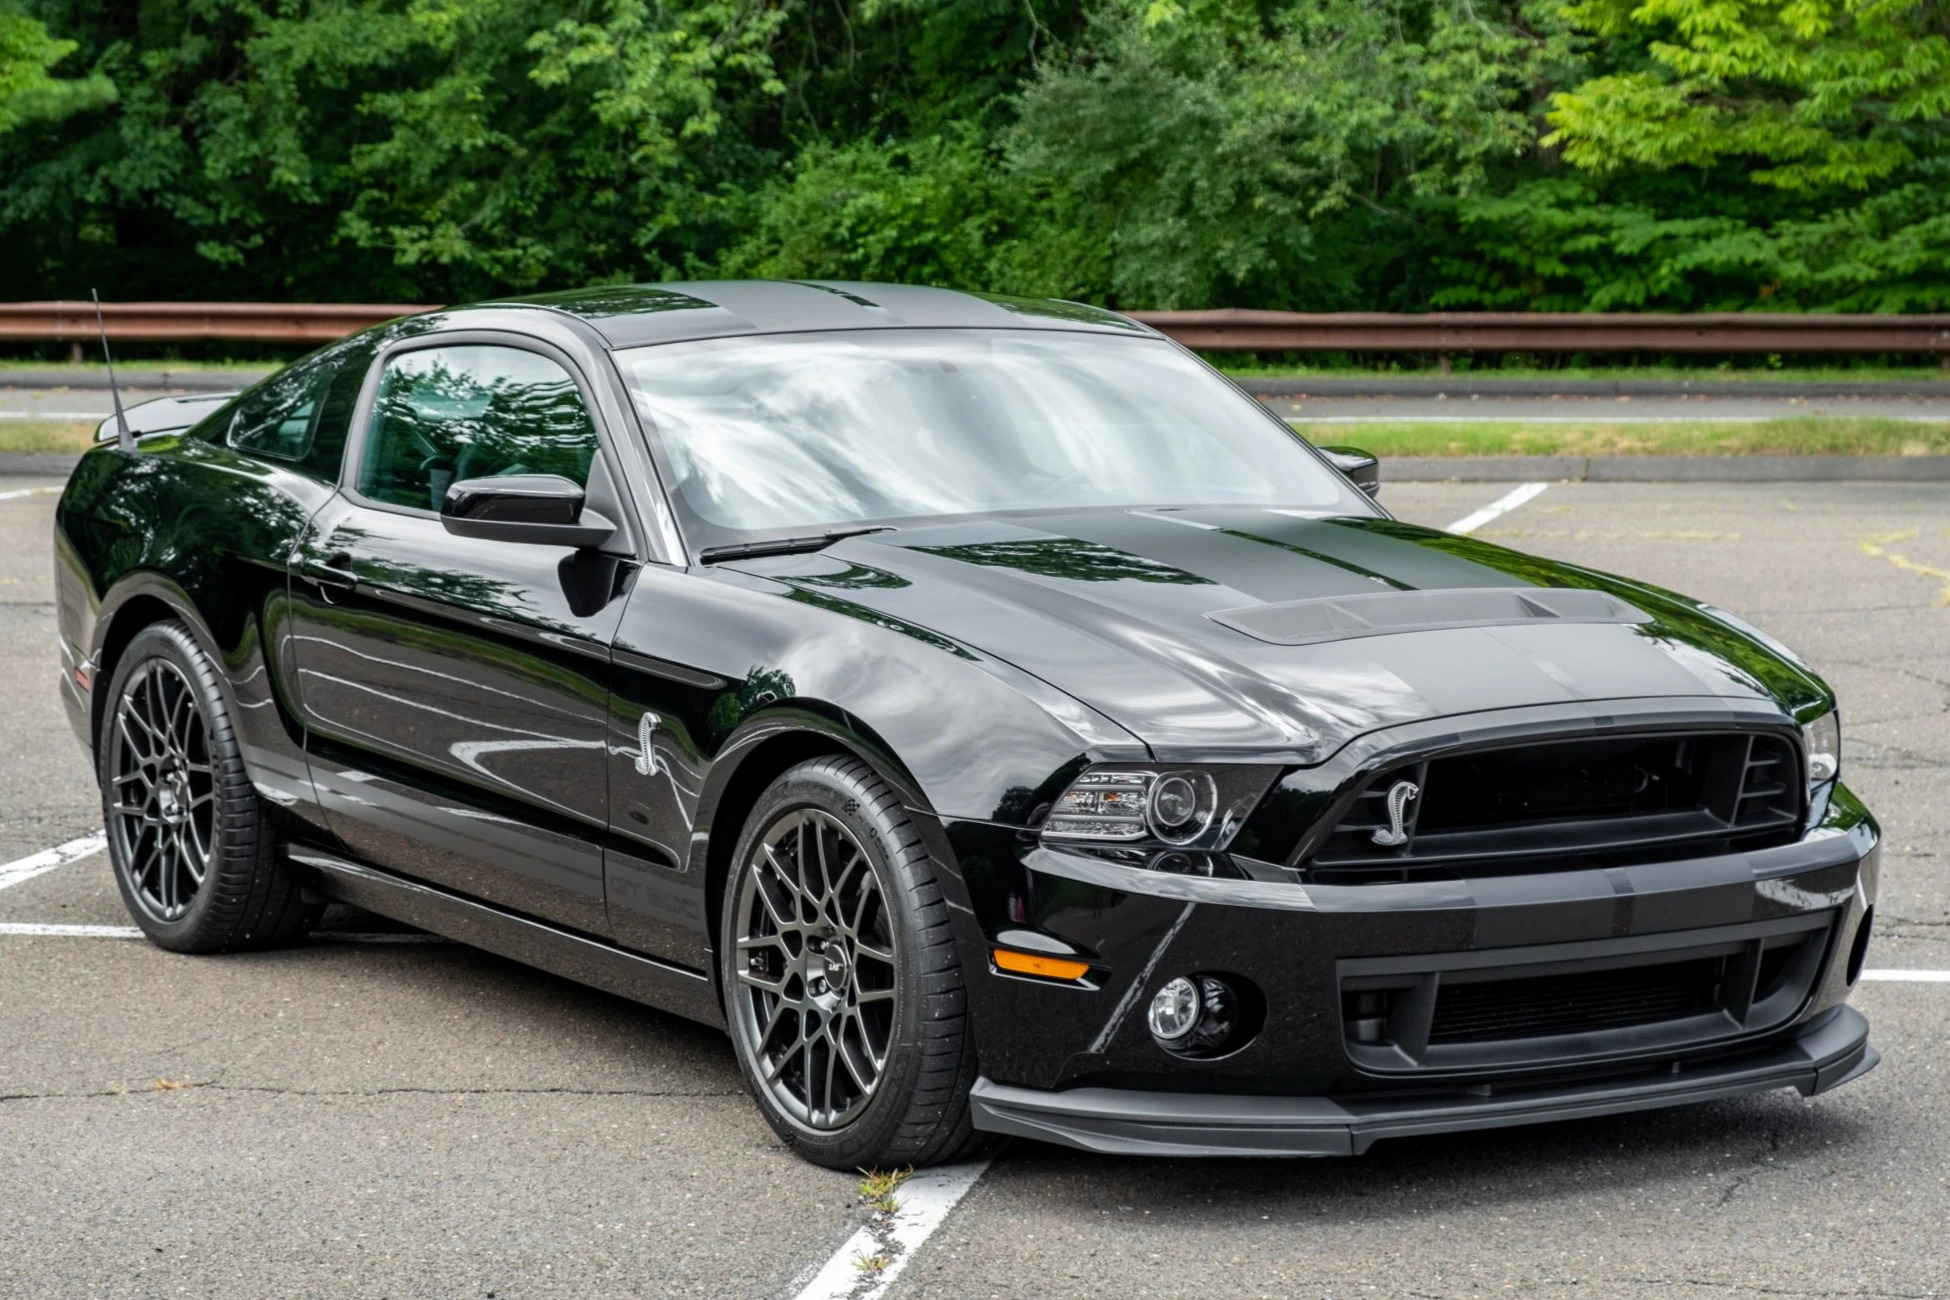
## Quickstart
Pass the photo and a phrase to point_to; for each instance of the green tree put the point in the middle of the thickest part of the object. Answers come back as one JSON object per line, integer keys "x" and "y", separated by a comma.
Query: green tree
{"x": 1803, "y": 94}
{"x": 29, "y": 90}
{"x": 1201, "y": 152}
{"x": 1732, "y": 154}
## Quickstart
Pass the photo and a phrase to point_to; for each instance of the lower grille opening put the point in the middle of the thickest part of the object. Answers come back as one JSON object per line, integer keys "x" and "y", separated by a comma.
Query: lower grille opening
{"x": 1560, "y": 1005}
{"x": 1570, "y": 1004}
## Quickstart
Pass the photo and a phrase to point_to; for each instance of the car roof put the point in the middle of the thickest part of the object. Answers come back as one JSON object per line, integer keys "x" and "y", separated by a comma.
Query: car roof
{"x": 630, "y": 315}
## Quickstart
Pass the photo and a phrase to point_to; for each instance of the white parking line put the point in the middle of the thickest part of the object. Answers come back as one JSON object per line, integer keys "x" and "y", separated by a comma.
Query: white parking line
{"x": 1503, "y": 505}
{"x": 35, "y": 930}
{"x": 1909, "y": 976}
{"x": 28, "y": 492}
{"x": 924, "y": 1201}
{"x": 48, "y": 859}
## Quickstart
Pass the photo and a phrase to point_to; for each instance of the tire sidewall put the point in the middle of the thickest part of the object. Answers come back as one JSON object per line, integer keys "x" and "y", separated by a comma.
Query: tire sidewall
{"x": 171, "y": 643}
{"x": 833, "y": 793}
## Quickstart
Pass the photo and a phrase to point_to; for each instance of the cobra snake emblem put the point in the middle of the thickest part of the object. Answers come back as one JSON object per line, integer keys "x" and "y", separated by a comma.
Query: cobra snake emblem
{"x": 646, "y": 758}
{"x": 1400, "y": 795}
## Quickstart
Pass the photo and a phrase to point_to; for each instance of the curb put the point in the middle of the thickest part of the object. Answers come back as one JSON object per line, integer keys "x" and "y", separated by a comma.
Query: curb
{"x": 1463, "y": 386}
{"x": 188, "y": 381}
{"x": 1665, "y": 469}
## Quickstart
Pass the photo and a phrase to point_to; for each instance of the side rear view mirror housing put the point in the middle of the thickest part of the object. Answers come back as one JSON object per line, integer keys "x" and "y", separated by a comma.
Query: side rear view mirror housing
{"x": 544, "y": 509}
{"x": 1361, "y": 467}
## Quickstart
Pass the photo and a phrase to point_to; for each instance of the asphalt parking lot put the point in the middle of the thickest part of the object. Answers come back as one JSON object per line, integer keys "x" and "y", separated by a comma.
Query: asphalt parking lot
{"x": 372, "y": 1116}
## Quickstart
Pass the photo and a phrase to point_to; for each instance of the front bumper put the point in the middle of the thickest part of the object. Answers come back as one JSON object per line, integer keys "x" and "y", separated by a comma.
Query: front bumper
{"x": 1826, "y": 1053}
{"x": 1076, "y": 1062}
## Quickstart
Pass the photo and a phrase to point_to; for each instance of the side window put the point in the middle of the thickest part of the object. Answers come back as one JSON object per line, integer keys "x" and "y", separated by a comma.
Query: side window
{"x": 471, "y": 411}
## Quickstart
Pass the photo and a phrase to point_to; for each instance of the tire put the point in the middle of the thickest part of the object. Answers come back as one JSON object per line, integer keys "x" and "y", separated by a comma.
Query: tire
{"x": 839, "y": 959}
{"x": 199, "y": 864}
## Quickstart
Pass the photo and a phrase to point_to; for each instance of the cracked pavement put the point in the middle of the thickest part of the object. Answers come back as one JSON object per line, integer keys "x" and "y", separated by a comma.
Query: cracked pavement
{"x": 413, "y": 1120}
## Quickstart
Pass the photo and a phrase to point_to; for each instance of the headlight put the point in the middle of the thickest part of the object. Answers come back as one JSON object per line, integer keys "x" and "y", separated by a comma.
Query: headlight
{"x": 1822, "y": 739}
{"x": 1185, "y": 807}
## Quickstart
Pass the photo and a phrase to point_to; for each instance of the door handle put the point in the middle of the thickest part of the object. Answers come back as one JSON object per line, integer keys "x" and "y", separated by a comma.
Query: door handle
{"x": 334, "y": 575}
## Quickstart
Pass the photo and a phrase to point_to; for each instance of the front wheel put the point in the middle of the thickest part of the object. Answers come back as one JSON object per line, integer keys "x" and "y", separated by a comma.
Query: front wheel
{"x": 841, "y": 979}
{"x": 197, "y": 860}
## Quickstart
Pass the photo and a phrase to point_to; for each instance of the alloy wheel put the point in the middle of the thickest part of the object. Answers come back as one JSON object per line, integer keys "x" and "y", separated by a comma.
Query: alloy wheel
{"x": 162, "y": 806}
{"x": 817, "y": 984}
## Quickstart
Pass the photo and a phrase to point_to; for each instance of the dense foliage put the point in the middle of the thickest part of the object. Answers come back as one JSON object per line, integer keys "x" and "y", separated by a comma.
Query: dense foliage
{"x": 1326, "y": 154}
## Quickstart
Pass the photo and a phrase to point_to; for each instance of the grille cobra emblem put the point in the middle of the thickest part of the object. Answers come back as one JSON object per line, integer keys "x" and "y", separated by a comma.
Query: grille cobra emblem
{"x": 646, "y": 758}
{"x": 1400, "y": 795}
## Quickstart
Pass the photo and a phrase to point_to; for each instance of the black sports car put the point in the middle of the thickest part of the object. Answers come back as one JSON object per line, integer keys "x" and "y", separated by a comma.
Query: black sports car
{"x": 992, "y": 717}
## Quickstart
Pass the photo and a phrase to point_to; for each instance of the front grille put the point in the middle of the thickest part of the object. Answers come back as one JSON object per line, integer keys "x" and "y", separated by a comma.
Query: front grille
{"x": 1569, "y": 1004}
{"x": 1623, "y": 798}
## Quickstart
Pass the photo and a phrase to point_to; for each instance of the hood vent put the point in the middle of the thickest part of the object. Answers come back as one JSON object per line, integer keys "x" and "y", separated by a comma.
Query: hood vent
{"x": 1339, "y": 618}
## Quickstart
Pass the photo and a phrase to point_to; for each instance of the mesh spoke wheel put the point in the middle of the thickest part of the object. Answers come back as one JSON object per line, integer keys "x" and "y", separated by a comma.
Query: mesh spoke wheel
{"x": 817, "y": 983}
{"x": 162, "y": 801}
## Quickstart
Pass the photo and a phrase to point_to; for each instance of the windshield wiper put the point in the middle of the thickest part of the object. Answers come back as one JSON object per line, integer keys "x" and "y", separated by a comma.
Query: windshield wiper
{"x": 786, "y": 545}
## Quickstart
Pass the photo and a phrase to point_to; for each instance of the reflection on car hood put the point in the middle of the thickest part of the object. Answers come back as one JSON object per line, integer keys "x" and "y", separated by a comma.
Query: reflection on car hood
{"x": 1258, "y": 631}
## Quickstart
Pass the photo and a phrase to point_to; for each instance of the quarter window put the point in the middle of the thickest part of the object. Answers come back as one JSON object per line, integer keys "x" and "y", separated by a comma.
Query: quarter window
{"x": 471, "y": 411}
{"x": 276, "y": 419}
{"x": 300, "y": 415}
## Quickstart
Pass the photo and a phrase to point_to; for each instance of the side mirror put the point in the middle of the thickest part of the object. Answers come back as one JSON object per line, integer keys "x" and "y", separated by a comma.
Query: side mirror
{"x": 1361, "y": 468}
{"x": 545, "y": 509}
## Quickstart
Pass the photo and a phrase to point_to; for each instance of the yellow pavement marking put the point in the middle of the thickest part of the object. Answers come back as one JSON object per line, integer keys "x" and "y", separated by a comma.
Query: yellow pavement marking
{"x": 1878, "y": 544}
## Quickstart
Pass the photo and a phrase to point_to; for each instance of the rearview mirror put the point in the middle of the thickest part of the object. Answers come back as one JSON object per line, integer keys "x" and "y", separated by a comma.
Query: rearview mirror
{"x": 546, "y": 509}
{"x": 1361, "y": 467}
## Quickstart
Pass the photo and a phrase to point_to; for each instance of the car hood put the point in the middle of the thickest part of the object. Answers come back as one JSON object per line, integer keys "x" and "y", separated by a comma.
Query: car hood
{"x": 1232, "y": 631}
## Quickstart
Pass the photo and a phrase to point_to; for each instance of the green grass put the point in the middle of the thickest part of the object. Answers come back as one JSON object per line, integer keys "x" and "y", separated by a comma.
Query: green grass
{"x": 1244, "y": 366}
{"x": 1810, "y": 436}
{"x": 45, "y": 435}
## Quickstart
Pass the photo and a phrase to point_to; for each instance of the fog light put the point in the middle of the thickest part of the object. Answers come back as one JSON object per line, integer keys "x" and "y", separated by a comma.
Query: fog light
{"x": 1174, "y": 1012}
{"x": 1197, "y": 1015}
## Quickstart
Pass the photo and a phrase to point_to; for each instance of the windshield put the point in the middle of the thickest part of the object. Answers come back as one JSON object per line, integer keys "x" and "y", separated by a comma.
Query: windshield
{"x": 803, "y": 432}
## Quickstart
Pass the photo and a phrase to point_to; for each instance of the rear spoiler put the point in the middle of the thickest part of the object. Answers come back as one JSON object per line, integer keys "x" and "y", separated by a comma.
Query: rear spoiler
{"x": 163, "y": 415}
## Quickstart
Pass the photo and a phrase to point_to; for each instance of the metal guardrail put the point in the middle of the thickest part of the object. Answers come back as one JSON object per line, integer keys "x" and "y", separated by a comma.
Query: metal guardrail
{"x": 1229, "y": 329}
{"x": 1279, "y": 331}
{"x": 176, "y": 322}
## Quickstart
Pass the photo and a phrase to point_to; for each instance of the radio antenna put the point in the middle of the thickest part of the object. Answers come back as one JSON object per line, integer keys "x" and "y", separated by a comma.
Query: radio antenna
{"x": 124, "y": 440}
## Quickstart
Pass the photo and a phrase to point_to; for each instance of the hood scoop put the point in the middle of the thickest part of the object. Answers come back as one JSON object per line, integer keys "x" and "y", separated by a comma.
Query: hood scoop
{"x": 1340, "y": 618}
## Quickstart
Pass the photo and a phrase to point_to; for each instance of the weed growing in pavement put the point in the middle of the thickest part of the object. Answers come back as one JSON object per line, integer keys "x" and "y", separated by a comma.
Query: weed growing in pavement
{"x": 877, "y": 1194}
{"x": 877, "y": 1189}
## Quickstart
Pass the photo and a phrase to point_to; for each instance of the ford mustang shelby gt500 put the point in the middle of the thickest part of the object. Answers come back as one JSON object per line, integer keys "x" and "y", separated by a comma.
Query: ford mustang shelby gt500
{"x": 986, "y": 713}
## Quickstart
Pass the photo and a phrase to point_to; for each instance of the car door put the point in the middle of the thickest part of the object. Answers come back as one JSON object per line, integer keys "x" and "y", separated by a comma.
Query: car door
{"x": 454, "y": 689}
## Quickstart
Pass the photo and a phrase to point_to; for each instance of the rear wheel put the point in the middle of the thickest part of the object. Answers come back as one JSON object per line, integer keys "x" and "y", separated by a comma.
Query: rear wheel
{"x": 840, "y": 975}
{"x": 199, "y": 865}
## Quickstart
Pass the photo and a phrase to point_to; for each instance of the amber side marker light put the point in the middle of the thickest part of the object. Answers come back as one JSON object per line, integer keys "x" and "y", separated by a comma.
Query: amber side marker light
{"x": 1028, "y": 963}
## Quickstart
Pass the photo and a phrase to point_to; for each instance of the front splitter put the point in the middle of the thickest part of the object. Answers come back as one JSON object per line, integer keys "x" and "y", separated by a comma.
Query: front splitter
{"x": 1121, "y": 1121}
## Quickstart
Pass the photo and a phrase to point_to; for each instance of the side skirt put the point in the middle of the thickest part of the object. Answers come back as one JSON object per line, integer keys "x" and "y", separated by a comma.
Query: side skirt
{"x": 575, "y": 956}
